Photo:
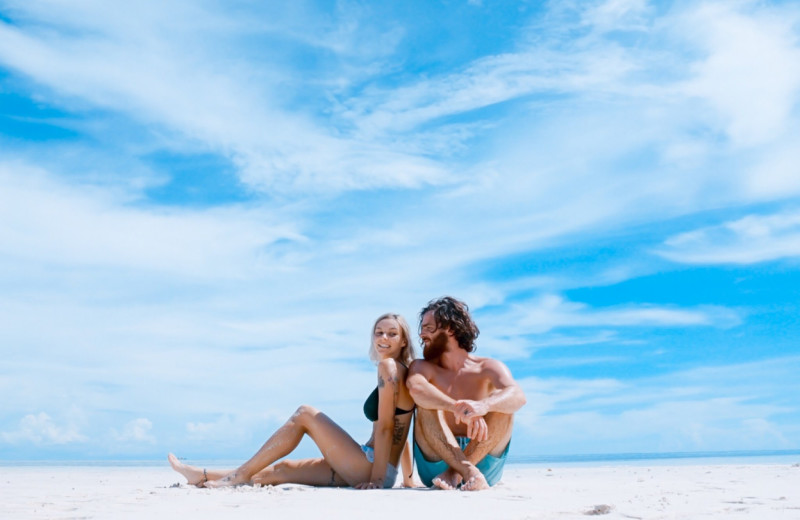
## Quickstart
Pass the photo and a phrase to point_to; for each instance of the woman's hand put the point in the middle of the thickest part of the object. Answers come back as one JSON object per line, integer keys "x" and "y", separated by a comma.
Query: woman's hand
{"x": 372, "y": 484}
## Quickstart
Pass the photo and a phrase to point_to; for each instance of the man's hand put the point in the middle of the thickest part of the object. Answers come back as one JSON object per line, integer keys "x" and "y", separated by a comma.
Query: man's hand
{"x": 471, "y": 413}
{"x": 467, "y": 409}
{"x": 478, "y": 430}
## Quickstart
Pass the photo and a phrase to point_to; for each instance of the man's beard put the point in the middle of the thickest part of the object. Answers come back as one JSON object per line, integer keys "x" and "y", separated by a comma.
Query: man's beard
{"x": 436, "y": 348}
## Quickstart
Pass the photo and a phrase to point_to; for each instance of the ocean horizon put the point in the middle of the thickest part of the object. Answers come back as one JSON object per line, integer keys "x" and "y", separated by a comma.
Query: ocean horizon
{"x": 720, "y": 457}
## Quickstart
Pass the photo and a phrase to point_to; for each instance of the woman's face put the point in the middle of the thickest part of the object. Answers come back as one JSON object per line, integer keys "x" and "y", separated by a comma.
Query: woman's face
{"x": 387, "y": 339}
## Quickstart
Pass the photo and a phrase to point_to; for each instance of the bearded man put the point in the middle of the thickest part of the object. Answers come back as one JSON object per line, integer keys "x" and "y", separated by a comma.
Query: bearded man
{"x": 465, "y": 403}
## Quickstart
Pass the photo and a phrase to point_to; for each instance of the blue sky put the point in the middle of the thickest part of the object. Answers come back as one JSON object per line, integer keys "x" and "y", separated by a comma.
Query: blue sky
{"x": 205, "y": 205}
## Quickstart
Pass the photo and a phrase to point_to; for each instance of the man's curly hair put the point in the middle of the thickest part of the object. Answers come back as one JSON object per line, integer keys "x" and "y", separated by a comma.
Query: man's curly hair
{"x": 453, "y": 314}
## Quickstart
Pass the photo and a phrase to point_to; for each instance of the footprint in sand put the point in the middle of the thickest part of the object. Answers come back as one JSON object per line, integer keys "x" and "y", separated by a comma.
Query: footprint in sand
{"x": 601, "y": 509}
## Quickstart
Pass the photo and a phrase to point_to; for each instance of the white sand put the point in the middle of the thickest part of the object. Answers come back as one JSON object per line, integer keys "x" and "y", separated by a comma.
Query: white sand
{"x": 647, "y": 492}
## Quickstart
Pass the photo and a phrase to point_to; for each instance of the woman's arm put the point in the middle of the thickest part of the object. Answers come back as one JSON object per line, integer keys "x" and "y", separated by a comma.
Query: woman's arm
{"x": 407, "y": 466}
{"x": 384, "y": 426}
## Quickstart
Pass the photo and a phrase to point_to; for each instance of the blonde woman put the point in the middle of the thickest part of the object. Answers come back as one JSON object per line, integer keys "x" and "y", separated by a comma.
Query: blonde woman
{"x": 344, "y": 462}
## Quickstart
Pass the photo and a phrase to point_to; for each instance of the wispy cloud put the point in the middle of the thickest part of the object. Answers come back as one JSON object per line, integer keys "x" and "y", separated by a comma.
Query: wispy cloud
{"x": 749, "y": 240}
{"x": 171, "y": 78}
{"x": 61, "y": 224}
{"x": 709, "y": 409}
{"x": 552, "y": 311}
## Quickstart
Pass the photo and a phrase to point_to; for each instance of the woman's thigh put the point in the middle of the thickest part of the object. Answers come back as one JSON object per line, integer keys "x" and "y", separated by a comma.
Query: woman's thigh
{"x": 339, "y": 450}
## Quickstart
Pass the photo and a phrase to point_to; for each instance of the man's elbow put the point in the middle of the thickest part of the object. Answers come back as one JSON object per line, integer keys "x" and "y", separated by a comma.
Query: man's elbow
{"x": 521, "y": 399}
{"x": 414, "y": 384}
{"x": 413, "y": 389}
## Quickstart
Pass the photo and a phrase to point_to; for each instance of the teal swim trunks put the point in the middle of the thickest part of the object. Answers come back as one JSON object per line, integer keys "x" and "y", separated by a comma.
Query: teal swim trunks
{"x": 491, "y": 467}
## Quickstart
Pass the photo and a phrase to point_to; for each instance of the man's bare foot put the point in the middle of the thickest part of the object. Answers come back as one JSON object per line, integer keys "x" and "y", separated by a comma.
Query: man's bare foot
{"x": 447, "y": 480}
{"x": 412, "y": 483}
{"x": 476, "y": 482}
{"x": 233, "y": 479}
{"x": 194, "y": 475}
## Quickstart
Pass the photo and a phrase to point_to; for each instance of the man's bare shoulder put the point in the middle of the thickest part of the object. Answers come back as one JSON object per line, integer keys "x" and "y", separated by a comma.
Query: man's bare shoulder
{"x": 420, "y": 366}
{"x": 490, "y": 365}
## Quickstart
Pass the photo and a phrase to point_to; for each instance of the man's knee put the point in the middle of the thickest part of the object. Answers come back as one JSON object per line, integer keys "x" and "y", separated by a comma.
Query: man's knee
{"x": 499, "y": 422}
{"x": 500, "y": 427}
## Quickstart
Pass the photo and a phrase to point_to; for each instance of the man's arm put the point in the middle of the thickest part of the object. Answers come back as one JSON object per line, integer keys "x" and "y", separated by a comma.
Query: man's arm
{"x": 424, "y": 393}
{"x": 428, "y": 396}
{"x": 507, "y": 397}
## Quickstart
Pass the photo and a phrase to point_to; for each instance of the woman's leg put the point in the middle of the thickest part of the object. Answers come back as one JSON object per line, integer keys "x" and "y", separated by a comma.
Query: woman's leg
{"x": 312, "y": 472}
{"x": 195, "y": 476}
{"x": 340, "y": 451}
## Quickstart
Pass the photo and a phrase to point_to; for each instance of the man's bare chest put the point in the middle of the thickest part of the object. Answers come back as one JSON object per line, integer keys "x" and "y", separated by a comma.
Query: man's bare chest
{"x": 462, "y": 385}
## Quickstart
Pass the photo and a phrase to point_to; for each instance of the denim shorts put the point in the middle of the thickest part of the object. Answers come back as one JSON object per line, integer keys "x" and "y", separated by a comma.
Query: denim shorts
{"x": 391, "y": 471}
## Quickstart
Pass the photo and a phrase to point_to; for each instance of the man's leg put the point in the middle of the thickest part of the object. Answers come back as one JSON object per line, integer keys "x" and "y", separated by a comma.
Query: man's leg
{"x": 500, "y": 427}
{"x": 437, "y": 442}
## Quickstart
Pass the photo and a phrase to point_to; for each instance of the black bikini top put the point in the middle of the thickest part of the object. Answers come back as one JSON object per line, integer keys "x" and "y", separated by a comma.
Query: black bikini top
{"x": 371, "y": 407}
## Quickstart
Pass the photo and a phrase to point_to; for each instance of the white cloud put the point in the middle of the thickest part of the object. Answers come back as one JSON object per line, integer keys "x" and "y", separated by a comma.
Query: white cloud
{"x": 715, "y": 408}
{"x": 221, "y": 428}
{"x": 41, "y": 429}
{"x": 500, "y": 339}
{"x": 751, "y": 74}
{"x": 53, "y": 222}
{"x": 135, "y": 431}
{"x": 552, "y": 311}
{"x": 749, "y": 240}
{"x": 97, "y": 281}
{"x": 616, "y": 15}
{"x": 776, "y": 175}
{"x": 485, "y": 82}
{"x": 684, "y": 426}
{"x": 175, "y": 76}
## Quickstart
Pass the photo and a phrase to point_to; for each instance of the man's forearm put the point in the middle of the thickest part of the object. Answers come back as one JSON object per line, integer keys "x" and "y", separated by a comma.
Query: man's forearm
{"x": 426, "y": 395}
{"x": 507, "y": 400}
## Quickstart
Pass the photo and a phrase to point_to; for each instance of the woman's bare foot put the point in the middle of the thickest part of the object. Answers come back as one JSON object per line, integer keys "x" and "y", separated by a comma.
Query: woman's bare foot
{"x": 476, "y": 482}
{"x": 447, "y": 480}
{"x": 194, "y": 476}
{"x": 233, "y": 479}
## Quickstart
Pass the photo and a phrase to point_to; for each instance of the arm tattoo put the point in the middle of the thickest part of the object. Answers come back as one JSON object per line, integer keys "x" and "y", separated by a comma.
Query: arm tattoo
{"x": 381, "y": 382}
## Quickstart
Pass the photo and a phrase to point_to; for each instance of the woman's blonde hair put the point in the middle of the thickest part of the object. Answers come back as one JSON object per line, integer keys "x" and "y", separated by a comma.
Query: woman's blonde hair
{"x": 407, "y": 354}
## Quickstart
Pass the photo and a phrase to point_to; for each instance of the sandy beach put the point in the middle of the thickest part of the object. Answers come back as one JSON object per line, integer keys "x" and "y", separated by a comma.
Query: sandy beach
{"x": 762, "y": 491}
